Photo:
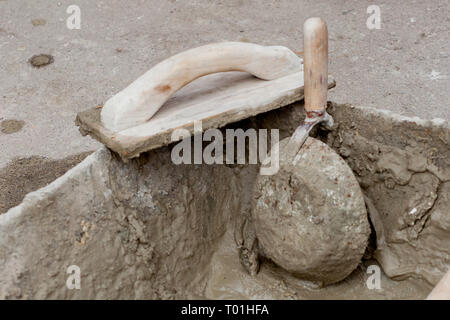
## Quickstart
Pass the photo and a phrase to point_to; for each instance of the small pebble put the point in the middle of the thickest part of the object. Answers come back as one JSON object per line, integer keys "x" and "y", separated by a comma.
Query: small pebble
{"x": 39, "y": 22}
{"x": 11, "y": 126}
{"x": 41, "y": 60}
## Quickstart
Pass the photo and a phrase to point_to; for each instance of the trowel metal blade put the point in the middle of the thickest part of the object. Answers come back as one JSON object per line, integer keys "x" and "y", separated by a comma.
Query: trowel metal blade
{"x": 302, "y": 132}
{"x": 299, "y": 137}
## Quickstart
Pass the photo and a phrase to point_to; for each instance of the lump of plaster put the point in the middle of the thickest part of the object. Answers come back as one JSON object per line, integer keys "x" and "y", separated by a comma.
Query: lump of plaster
{"x": 311, "y": 219}
{"x": 425, "y": 254}
{"x": 416, "y": 161}
{"x": 405, "y": 209}
{"x": 395, "y": 164}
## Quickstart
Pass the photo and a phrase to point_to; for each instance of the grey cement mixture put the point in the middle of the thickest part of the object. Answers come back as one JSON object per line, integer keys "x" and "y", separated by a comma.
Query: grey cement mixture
{"x": 152, "y": 230}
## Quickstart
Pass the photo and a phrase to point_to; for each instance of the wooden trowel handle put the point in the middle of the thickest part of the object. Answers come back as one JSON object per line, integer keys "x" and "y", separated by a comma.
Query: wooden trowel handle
{"x": 315, "y": 47}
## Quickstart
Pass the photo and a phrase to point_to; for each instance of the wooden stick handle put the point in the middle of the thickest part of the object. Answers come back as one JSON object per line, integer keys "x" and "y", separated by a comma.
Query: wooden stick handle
{"x": 315, "y": 47}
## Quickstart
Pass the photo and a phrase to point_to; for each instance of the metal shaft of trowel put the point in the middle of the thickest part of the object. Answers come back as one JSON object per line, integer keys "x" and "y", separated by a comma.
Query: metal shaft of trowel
{"x": 315, "y": 70}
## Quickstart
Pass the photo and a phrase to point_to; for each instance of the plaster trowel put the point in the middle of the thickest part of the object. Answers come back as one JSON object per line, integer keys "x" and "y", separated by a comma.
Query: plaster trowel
{"x": 310, "y": 216}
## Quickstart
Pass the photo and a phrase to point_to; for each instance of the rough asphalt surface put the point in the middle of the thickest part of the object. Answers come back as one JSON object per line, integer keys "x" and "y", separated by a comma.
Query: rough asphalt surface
{"x": 404, "y": 66}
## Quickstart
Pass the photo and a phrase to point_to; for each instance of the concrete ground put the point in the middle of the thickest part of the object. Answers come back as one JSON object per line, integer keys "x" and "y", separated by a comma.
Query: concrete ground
{"x": 404, "y": 66}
